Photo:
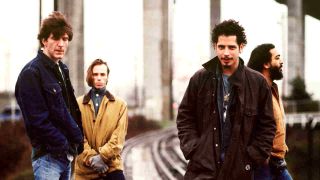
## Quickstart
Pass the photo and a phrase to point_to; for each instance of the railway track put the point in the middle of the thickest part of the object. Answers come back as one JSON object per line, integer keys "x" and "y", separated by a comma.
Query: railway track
{"x": 156, "y": 155}
{"x": 161, "y": 150}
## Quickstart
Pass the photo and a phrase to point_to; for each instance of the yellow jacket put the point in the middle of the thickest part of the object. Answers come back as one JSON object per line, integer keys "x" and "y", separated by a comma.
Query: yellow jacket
{"x": 104, "y": 134}
{"x": 279, "y": 148}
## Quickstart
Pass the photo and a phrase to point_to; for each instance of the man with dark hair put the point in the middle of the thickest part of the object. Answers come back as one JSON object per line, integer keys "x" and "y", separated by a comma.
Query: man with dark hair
{"x": 46, "y": 97}
{"x": 266, "y": 60}
{"x": 105, "y": 122}
{"x": 225, "y": 121}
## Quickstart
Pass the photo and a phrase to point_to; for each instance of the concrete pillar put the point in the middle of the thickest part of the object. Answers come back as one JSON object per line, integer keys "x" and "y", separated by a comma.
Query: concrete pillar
{"x": 73, "y": 9}
{"x": 157, "y": 59}
{"x": 166, "y": 60}
{"x": 215, "y": 17}
{"x": 295, "y": 41}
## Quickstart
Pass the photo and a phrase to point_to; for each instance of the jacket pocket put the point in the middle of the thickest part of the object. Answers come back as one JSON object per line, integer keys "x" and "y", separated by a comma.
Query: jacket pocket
{"x": 245, "y": 168}
{"x": 250, "y": 117}
{"x": 203, "y": 157}
{"x": 52, "y": 88}
{"x": 250, "y": 112}
{"x": 53, "y": 95}
{"x": 203, "y": 110}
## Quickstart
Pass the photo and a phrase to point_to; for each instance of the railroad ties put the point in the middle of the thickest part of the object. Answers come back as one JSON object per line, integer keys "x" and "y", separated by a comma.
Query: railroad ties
{"x": 154, "y": 155}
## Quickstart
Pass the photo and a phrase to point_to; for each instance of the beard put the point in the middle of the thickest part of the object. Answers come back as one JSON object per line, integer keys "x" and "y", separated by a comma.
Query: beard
{"x": 275, "y": 73}
{"x": 226, "y": 67}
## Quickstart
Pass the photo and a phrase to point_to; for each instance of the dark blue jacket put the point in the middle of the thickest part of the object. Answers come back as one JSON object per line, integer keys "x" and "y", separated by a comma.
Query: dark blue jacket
{"x": 48, "y": 104}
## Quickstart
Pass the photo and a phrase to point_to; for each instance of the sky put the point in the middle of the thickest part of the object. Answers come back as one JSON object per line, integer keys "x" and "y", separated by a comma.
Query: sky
{"x": 18, "y": 34}
{"x": 114, "y": 31}
{"x": 312, "y": 63}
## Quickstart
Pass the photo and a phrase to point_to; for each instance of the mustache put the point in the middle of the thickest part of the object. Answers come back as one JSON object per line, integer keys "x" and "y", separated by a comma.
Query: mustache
{"x": 226, "y": 58}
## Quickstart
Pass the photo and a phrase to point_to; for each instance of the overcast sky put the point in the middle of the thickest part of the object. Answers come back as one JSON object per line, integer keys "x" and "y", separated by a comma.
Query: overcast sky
{"x": 114, "y": 31}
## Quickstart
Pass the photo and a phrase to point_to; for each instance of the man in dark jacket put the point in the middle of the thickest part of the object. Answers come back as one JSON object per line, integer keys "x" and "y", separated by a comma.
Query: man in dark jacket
{"x": 48, "y": 104}
{"x": 225, "y": 119}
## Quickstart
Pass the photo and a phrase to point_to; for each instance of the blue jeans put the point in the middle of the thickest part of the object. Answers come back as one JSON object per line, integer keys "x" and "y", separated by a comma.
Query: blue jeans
{"x": 265, "y": 173}
{"x": 49, "y": 167}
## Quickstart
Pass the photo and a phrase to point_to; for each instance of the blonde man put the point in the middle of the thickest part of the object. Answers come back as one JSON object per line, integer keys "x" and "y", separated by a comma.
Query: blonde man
{"x": 104, "y": 121}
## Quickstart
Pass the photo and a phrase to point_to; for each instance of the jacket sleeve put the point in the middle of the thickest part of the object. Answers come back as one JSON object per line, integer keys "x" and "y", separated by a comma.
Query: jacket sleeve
{"x": 36, "y": 113}
{"x": 115, "y": 144}
{"x": 264, "y": 132}
{"x": 87, "y": 153}
{"x": 186, "y": 120}
{"x": 73, "y": 131}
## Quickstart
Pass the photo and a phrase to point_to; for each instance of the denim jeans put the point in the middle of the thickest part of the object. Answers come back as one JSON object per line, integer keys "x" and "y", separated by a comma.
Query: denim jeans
{"x": 49, "y": 167}
{"x": 265, "y": 173}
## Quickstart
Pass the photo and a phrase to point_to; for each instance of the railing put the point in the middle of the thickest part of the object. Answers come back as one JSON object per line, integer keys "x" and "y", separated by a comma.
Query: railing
{"x": 303, "y": 119}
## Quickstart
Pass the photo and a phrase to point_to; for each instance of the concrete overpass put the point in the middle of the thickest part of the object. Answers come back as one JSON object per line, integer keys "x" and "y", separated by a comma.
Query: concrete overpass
{"x": 309, "y": 7}
{"x": 156, "y": 95}
{"x": 297, "y": 9}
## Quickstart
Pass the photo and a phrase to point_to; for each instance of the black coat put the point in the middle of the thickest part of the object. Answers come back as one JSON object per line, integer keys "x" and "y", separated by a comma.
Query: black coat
{"x": 253, "y": 125}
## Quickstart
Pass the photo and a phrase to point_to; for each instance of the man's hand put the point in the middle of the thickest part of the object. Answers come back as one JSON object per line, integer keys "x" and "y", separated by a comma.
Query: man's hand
{"x": 97, "y": 164}
{"x": 73, "y": 149}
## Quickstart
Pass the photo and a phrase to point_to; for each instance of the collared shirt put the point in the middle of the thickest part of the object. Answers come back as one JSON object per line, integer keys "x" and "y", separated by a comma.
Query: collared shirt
{"x": 62, "y": 75}
{"x": 58, "y": 72}
{"x": 97, "y": 96}
{"x": 224, "y": 99}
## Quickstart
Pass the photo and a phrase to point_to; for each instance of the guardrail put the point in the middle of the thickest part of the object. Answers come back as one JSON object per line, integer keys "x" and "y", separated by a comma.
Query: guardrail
{"x": 302, "y": 119}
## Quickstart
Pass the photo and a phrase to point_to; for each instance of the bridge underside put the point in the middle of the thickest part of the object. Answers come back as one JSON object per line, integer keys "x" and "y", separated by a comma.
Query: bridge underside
{"x": 311, "y": 7}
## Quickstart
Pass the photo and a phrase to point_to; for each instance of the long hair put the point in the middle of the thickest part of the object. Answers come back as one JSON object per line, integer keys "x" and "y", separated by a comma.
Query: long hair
{"x": 89, "y": 77}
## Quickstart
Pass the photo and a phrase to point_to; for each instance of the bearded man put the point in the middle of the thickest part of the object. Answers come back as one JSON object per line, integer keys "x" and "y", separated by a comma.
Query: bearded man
{"x": 266, "y": 59}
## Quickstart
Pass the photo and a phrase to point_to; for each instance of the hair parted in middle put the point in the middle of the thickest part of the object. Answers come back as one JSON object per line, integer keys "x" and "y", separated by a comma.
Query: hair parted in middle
{"x": 229, "y": 28}
{"x": 89, "y": 77}
{"x": 260, "y": 56}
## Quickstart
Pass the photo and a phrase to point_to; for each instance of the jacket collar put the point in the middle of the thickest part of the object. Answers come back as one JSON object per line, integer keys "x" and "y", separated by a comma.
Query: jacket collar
{"x": 87, "y": 97}
{"x": 212, "y": 64}
{"x": 236, "y": 78}
{"x": 49, "y": 63}
{"x": 46, "y": 60}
